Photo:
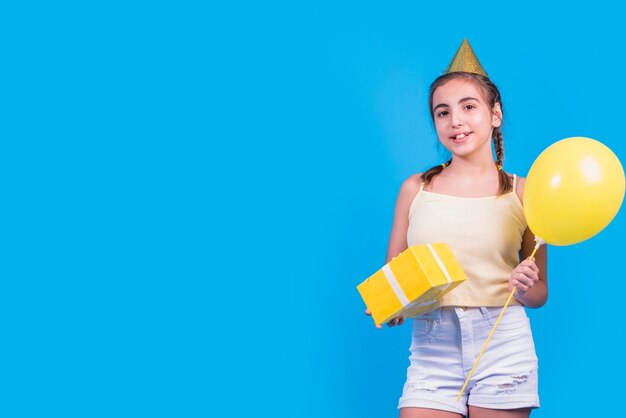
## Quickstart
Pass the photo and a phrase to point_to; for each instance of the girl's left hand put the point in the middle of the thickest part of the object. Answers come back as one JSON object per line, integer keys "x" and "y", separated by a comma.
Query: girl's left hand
{"x": 524, "y": 277}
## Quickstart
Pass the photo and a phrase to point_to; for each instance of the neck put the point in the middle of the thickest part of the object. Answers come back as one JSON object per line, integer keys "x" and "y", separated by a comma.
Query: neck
{"x": 472, "y": 167}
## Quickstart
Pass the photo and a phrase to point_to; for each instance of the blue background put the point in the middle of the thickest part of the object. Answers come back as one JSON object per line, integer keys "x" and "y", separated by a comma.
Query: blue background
{"x": 191, "y": 194}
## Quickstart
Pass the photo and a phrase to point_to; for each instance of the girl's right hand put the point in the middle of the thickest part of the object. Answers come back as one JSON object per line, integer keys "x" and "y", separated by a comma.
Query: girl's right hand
{"x": 396, "y": 321}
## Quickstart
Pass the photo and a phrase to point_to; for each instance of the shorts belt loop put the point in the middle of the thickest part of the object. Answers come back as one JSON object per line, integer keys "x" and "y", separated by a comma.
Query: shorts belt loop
{"x": 485, "y": 312}
{"x": 438, "y": 314}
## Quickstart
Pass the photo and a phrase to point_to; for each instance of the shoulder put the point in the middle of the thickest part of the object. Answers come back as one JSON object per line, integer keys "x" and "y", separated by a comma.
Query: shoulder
{"x": 412, "y": 184}
{"x": 409, "y": 189}
{"x": 519, "y": 188}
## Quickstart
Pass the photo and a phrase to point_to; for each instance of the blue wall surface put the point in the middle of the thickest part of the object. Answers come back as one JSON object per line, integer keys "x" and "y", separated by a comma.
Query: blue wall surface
{"x": 192, "y": 192}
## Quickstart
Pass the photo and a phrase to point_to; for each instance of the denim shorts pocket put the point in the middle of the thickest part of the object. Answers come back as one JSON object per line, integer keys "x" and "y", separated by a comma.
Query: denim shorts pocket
{"x": 423, "y": 326}
{"x": 514, "y": 318}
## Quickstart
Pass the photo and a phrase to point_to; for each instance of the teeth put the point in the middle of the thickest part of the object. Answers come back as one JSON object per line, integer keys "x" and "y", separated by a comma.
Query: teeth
{"x": 460, "y": 136}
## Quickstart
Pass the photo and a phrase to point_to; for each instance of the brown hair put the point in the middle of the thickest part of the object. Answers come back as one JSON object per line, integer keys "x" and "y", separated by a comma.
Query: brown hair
{"x": 492, "y": 95}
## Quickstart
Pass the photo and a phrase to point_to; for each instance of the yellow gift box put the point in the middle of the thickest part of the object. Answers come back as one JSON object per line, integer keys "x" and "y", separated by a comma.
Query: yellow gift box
{"x": 412, "y": 283}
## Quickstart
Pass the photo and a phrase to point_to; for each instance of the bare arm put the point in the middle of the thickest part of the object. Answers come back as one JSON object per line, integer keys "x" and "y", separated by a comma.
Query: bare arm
{"x": 400, "y": 226}
{"x": 530, "y": 276}
{"x": 397, "y": 238}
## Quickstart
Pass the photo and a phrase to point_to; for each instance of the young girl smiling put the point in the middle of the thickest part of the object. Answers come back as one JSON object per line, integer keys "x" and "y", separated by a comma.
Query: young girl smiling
{"x": 471, "y": 203}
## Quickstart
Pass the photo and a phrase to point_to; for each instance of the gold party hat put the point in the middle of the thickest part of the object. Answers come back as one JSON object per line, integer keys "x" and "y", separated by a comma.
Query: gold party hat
{"x": 465, "y": 61}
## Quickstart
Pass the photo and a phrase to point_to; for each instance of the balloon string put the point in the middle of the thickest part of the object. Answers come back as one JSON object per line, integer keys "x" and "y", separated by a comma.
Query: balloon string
{"x": 486, "y": 342}
{"x": 491, "y": 333}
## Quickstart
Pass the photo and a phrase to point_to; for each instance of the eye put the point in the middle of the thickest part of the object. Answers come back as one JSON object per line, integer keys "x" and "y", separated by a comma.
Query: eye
{"x": 442, "y": 113}
{"x": 470, "y": 106}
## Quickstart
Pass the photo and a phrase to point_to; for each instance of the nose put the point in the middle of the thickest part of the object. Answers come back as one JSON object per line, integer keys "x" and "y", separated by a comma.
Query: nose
{"x": 455, "y": 119}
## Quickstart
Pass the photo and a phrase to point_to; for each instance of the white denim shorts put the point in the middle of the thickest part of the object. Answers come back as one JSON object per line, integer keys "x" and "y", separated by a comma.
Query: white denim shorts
{"x": 445, "y": 344}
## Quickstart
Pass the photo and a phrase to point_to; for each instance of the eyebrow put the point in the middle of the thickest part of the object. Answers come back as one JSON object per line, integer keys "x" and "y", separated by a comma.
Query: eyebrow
{"x": 464, "y": 99}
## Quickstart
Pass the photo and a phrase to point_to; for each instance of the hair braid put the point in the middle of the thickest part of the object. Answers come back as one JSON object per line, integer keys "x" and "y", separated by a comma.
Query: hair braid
{"x": 428, "y": 175}
{"x": 506, "y": 183}
{"x": 497, "y": 144}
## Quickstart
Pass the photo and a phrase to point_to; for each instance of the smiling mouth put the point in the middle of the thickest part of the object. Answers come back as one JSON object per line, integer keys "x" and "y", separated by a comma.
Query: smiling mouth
{"x": 460, "y": 136}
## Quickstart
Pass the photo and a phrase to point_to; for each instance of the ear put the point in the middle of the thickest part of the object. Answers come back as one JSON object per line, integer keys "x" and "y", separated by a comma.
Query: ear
{"x": 496, "y": 118}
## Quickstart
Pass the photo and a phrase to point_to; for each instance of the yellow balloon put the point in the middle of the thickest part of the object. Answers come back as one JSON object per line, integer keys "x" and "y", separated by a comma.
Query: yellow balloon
{"x": 573, "y": 190}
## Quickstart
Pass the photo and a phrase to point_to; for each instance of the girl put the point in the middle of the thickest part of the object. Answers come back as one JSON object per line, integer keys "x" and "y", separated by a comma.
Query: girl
{"x": 476, "y": 207}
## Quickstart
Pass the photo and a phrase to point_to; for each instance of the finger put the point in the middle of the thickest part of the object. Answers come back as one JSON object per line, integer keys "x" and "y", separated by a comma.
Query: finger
{"x": 379, "y": 326}
{"x": 534, "y": 267}
{"x": 526, "y": 272}
{"x": 530, "y": 272}
{"x": 401, "y": 320}
{"x": 527, "y": 280}
{"x": 367, "y": 312}
{"x": 520, "y": 286}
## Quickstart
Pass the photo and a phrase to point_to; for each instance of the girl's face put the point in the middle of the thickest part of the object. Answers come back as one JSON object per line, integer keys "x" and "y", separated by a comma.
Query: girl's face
{"x": 463, "y": 119}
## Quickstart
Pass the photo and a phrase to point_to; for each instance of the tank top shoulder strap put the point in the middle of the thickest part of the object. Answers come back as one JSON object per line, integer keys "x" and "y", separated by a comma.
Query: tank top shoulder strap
{"x": 421, "y": 185}
{"x": 514, "y": 183}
